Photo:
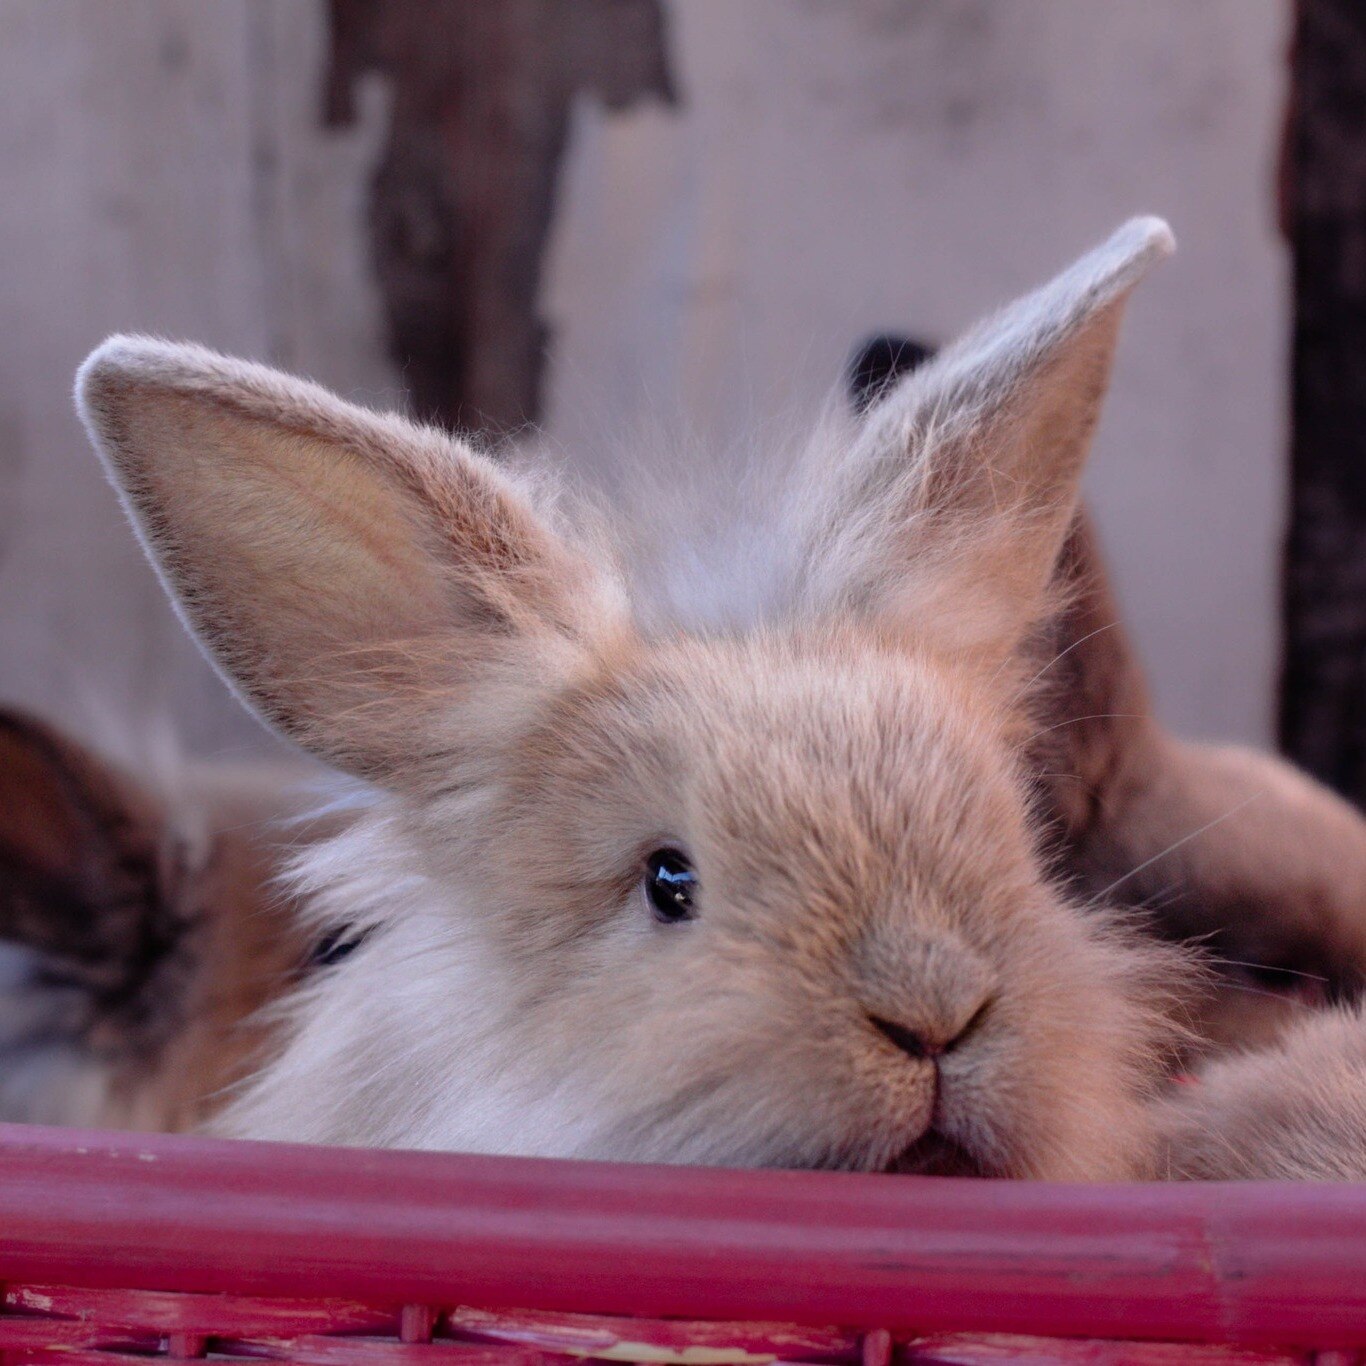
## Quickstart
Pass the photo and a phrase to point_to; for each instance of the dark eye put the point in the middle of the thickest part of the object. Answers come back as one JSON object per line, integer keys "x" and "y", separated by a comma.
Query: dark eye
{"x": 671, "y": 885}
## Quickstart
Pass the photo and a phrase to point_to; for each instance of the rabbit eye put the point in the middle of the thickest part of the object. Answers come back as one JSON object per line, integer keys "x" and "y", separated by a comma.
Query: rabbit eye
{"x": 671, "y": 885}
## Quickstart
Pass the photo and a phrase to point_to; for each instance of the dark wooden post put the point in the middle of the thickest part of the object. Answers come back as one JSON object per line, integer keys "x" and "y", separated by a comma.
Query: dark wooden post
{"x": 462, "y": 199}
{"x": 1323, "y": 695}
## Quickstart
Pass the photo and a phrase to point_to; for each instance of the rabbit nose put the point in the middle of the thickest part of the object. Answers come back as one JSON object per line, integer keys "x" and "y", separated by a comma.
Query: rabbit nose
{"x": 937, "y": 992}
{"x": 907, "y": 1040}
{"x": 928, "y": 1040}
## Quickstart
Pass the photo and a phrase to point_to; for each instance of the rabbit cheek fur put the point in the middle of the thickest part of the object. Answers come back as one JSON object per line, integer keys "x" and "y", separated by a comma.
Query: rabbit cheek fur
{"x": 876, "y": 975}
{"x": 822, "y": 786}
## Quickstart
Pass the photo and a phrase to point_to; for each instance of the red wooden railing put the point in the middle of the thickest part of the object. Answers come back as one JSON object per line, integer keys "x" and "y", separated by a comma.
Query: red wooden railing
{"x": 128, "y": 1244}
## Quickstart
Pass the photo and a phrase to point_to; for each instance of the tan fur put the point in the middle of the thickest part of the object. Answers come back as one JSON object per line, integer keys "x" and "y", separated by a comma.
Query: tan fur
{"x": 1294, "y": 1112}
{"x": 845, "y": 770}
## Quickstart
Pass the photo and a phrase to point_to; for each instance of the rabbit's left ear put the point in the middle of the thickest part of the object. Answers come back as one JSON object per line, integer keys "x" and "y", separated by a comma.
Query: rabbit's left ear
{"x": 959, "y": 490}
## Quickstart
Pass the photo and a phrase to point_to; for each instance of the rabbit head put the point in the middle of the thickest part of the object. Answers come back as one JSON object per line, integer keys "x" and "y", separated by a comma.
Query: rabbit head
{"x": 761, "y": 893}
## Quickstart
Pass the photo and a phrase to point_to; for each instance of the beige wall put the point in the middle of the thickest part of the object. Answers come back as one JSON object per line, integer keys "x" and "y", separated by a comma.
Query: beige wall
{"x": 836, "y": 166}
{"x": 163, "y": 171}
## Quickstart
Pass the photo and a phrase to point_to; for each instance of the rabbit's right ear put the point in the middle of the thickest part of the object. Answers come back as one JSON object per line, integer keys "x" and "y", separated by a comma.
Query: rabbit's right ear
{"x": 952, "y": 507}
{"x": 376, "y": 589}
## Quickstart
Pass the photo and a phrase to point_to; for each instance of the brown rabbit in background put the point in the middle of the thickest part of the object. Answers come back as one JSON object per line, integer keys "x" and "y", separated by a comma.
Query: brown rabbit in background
{"x": 686, "y": 894}
{"x": 1261, "y": 866}
{"x": 642, "y": 881}
{"x": 140, "y": 928}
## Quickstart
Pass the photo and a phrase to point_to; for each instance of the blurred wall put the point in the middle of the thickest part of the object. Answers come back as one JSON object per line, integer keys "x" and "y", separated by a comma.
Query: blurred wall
{"x": 163, "y": 171}
{"x": 833, "y": 167}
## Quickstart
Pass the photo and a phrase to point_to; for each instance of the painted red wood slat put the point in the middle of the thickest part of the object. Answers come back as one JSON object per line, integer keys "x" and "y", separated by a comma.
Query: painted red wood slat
{"x": 1250, "y": 1263}
{"x": 1024, "y": 1352}
{"x": 80, "y": 1356}
{"x": 362, "y": 1351}
{"x": 1005, "y": 1350}
{"x": 633, "y": 1339}
{"x": 159, "y": 1312}
{"x": 307, "y": 1350}
{"x": 23, "y": 1333}
{"x": 877, "y": 1348}
{"x": 416, "y": 1322}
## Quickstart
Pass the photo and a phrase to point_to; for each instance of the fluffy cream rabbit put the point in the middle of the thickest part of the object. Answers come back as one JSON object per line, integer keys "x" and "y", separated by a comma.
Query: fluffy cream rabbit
{"x": 760, "y": 890}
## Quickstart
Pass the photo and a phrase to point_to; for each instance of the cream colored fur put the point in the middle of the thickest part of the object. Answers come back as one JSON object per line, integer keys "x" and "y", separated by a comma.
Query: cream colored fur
{"x": 843, "y": 763}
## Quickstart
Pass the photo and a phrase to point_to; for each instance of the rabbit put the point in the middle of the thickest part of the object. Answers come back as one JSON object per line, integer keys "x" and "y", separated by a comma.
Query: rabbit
{"x": 1294, "y": 1111}
{"x": 140, "y": 929}
{"x": 755, "y": 882}
{"x": 94, "y": 1000}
